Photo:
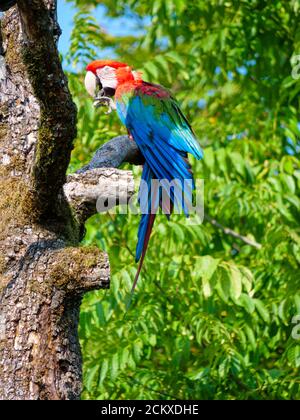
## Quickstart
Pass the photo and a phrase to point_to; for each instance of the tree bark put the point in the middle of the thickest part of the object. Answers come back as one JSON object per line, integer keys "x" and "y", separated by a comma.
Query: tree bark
{"x": 43, "y": 271}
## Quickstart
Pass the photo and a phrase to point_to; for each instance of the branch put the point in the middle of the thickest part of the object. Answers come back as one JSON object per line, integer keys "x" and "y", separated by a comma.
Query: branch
{"x": 57, "y": 125}
{"x": 79, "y": 270}
{"x": 232, "y": 233}
{"x": 99, "y": 180}
{"x": 83, "y": 190}
{"x": 115, "y": 152}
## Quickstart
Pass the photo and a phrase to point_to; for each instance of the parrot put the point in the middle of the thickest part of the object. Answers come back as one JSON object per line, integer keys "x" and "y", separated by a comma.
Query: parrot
{"x": 162, "y": 133}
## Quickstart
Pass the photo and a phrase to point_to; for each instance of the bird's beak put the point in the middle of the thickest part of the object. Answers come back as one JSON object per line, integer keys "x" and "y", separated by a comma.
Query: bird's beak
{"x": 91, "y": 83}
{"x": 102, "y": 95}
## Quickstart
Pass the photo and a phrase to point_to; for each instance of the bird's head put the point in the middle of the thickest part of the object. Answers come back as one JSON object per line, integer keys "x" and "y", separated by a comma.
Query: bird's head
{"x": 108, "y": 75}
{"x": 103, "y": 78}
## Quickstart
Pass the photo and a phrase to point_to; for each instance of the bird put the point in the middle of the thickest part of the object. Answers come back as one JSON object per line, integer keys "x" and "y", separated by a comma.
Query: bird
{"x": 163, "y": 135}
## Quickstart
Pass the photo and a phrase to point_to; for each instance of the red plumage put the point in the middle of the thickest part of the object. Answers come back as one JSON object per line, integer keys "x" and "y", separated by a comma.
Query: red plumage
{"x": 98, "y": 64}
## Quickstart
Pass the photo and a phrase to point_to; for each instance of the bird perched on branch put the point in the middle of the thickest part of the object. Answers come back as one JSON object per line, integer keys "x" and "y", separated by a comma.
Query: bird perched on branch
{"x": 161, "y": 131}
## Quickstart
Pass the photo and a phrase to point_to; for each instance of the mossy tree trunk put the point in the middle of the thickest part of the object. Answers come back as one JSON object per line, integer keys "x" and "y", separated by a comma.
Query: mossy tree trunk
{"x": 43, "y": 272}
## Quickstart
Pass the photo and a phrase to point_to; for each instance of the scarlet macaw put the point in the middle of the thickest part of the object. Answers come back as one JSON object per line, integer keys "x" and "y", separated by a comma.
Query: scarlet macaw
{"x": 162, "y": 133}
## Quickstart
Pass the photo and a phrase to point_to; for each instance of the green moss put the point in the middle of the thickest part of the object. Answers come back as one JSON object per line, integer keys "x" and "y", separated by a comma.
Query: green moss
{"x": 11, "y": 210}
{"x": 4, "y": 279}
{"x": 67, "y": 268}
{"x": 3, "y": 131}
{"x": 3, "y": 124}
{"x": 59, "y": 219}
{"x": 45, "y": 146}
{"x": 12, "y": 56}
{"x": 69, "y": 228}
{"x": 72, "y": 262}
{"x": 2, "y": 264}
{"x": 17, "y": 163}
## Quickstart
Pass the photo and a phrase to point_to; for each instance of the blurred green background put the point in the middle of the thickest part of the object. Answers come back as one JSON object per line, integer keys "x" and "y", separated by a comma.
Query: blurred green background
{"x": 212, "y": 316}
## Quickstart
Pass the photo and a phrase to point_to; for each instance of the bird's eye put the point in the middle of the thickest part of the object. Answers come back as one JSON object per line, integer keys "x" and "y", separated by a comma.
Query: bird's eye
{"x": 106, "y": 70}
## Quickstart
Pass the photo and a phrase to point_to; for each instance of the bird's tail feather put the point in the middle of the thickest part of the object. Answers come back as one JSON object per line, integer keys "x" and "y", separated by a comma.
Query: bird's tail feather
{"x": 151, "y": 198}
{"x": 150, "y": 222}
{"x": 149, "y": 202}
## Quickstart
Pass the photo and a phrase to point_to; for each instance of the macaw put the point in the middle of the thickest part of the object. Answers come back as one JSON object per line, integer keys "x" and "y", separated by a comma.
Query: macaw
{"x": 162, "y": 133}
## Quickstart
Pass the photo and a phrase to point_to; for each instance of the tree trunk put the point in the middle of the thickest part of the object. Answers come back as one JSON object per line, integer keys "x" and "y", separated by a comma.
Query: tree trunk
{"x": 43, "y": 272}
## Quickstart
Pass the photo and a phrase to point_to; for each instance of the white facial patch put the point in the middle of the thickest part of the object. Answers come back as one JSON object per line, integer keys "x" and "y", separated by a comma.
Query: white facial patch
{"x": 91, "y": 83}
{"x": 107, "y": 76}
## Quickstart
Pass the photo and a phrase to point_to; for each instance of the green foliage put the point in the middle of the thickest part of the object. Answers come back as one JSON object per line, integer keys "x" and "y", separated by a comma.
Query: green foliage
{"x": 212, "y": 316}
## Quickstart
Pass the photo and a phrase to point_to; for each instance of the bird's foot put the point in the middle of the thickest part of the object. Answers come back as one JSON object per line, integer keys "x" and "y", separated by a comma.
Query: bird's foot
{"x": 105, "y": 101}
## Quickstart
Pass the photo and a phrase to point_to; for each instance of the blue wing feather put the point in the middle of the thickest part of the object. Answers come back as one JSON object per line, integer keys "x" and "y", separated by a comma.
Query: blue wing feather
{"x": 164, "y": 137}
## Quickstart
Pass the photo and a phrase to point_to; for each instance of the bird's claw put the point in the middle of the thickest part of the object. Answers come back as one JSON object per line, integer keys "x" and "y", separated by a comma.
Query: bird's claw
{"x": 105, "y": 101}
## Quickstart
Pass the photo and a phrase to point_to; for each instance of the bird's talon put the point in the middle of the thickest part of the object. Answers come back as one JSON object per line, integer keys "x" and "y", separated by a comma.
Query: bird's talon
{"x": 104, "y": 101}
{"x": 109, "y": 111}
